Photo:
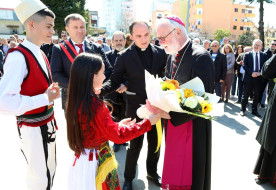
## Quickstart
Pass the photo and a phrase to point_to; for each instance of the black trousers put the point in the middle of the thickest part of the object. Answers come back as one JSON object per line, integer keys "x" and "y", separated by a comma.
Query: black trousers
{"x": 134, "y": 151}
{"x": 253, "y": 85}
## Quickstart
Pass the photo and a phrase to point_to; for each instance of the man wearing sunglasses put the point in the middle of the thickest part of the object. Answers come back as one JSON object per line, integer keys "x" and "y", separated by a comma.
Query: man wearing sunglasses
{"x": 187, "y": 162}
{"x": 64, "y": 36}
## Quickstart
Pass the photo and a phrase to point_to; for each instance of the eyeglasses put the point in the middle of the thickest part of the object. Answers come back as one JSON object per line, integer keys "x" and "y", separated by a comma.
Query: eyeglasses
{"x": 214, "y": 46}
{"x": 63, "y": 35}
{"x": 164, "y": 38}
{"x": 273, "y": 44}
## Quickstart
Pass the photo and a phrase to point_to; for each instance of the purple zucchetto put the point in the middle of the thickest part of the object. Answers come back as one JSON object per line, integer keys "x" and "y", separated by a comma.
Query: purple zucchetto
{"x": 176, "y": 19}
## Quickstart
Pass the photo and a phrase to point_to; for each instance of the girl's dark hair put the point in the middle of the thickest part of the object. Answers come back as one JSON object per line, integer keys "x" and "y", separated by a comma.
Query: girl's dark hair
{"x": 239, "y": 46}
{"x": 81, "y": 96}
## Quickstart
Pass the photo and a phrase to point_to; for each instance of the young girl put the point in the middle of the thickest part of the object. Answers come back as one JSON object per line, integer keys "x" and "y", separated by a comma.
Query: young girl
{"x": 89, "y": 127}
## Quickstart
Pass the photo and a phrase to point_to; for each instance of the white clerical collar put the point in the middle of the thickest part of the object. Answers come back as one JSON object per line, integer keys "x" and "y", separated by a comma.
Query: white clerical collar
{"x": 30, "y": 45}
{"x": 187, "y": 41}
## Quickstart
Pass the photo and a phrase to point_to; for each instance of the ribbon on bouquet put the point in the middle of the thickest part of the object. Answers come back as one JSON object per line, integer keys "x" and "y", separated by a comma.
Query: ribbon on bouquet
{"x": 159, "y": 134}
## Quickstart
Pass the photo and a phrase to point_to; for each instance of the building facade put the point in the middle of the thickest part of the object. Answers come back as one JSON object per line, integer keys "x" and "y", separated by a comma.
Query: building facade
{"x": 117, "y": 15}
{"x": 9, "y": 23}
{"x": 206, "y": 16}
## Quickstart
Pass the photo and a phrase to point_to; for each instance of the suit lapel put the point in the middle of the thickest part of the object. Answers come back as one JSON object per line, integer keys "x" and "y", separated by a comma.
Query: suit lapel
{"x": 88, "y": 47}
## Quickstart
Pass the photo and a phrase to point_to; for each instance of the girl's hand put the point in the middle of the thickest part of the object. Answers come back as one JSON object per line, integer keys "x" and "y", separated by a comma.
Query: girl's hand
{"x": 127, "y": 122}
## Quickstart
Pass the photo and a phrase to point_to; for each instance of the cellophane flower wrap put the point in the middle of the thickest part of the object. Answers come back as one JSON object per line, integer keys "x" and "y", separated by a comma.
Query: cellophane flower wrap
{"x": 189, "y": 98}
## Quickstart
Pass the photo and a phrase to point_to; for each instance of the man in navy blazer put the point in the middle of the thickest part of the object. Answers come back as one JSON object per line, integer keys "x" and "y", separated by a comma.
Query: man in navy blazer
{"x": 64, "y": 53}
{"x": 252, "y": 63}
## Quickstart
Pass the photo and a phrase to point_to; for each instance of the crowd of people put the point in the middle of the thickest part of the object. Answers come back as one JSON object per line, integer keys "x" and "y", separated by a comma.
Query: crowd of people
{"x": 102, "y": 82}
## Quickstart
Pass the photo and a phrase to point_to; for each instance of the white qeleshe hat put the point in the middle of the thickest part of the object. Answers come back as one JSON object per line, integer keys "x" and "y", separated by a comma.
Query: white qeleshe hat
{"x": 27, "y": 8}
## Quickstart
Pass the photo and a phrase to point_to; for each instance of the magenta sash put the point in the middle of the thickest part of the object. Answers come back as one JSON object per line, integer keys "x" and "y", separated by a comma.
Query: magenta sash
{"x": 177, "y": 170}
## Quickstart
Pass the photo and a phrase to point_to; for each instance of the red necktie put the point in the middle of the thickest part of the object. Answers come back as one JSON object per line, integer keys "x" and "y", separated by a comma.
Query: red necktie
{"x": 80, "y": 46}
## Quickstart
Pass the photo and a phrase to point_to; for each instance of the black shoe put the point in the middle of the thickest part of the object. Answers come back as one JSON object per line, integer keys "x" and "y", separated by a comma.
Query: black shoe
{"x": 220, "y": 100}
{"x": 256, "y": 114}
{"x": 242, "y": 113}
{"x": 226, "y": 101}
{"x": 263, "y": 106}
{"x": 127, "y": 185}
{"x": 237, "y": 102}
{"x": 116, "y": 147}
{"x": 260, "y": 181}
{"x": 155, "y": 179}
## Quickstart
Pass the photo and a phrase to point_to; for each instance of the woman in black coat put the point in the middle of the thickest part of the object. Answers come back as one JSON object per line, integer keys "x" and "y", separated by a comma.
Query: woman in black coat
{"x": 266, "y": 164}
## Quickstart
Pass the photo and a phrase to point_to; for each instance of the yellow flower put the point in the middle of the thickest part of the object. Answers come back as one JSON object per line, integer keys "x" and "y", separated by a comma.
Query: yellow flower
{"x": 170, "y": 85}
{"x": 188, "y": 93}
{"x": 178, "y": 95}
{"x": 206, "y": 106}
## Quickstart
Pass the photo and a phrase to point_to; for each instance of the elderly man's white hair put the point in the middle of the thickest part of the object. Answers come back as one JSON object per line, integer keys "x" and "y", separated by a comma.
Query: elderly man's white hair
{"x": 173, "y": 23}
{"x": 247, "y": 49}
{"x": 214, "y": 42}
{"x": 256, "y": 40}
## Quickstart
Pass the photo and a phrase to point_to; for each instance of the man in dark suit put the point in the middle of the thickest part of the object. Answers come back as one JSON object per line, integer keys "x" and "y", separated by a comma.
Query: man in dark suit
{"x": 130, "y": 66}
{"x": 117, "y": 99}
{"x": 220, "y": 64}
{"x": 63, "y": 54}
{"x": 252, "y": 63}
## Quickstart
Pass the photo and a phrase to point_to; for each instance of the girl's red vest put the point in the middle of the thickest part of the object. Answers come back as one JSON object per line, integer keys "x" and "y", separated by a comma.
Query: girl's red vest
{"x": 36, "y": 82}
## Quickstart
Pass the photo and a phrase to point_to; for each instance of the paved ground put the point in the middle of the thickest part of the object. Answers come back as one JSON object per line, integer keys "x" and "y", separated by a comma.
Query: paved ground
{"x": 234, "y": 155}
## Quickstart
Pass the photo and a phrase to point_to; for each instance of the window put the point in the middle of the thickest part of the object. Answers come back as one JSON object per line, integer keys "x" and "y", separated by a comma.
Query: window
{"x": 249, "y": 11}
{"x": 199, "y": 2}
{"x": 236, "y": 10}
{"x": 235, "y": 19}
{"x": 243, "y": 10}
{"x": 248, "y": 29}
{"x": 273, "y": 34}
{"x": 234, "y": 27}
{"x": 241, "y": 28}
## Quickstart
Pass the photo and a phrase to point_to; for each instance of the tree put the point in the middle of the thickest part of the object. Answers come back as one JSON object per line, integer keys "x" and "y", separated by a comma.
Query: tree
{"x": 261, "y": 17}
{"x": 221, "y": 33}
{"x": 125, "y": 21}
{"x": 246, "y": 38}
{"x": 63, "y": 8}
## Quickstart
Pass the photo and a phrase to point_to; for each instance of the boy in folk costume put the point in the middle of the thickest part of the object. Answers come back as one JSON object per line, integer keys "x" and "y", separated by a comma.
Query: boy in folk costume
{"x": 27, "y": 91}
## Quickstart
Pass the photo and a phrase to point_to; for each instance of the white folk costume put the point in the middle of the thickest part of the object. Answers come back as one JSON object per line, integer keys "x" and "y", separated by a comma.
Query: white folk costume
{"x": 22, "y": 93}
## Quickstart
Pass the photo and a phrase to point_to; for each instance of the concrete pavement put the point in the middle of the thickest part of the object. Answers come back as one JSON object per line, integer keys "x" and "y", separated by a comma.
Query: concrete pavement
{"x": 234, "y": 154}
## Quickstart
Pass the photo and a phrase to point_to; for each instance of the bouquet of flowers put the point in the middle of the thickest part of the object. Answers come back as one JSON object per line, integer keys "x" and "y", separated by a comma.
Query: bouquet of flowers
{"x": 189, "y": 98}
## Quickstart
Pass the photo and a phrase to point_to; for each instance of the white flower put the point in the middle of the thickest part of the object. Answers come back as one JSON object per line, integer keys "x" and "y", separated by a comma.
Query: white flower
{"x": 199, "y": 98}
{"x": 191, "y": 102}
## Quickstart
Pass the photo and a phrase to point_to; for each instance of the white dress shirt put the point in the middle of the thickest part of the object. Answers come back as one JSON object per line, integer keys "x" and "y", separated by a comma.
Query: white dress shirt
{"x": 254, "y": 58}
{"x": 77, "y": 48}
{"x": 15, "y": 70}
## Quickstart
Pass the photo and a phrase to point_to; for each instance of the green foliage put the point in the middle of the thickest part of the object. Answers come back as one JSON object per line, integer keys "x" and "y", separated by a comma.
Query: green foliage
{"x": 62, "y": 8}
{"x": 246, "y": 39}
{"x": 221, "y": 33}
{"x": 258, "y": 1}
{"x": 261, "y": 17}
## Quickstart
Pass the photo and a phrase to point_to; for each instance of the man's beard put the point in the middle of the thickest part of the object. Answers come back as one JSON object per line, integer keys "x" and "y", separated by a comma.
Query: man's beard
{"x": 119, "y": 47}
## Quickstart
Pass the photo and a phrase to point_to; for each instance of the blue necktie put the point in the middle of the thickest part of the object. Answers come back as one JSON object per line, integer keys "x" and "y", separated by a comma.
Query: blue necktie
{"x": 256, "y": 63}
